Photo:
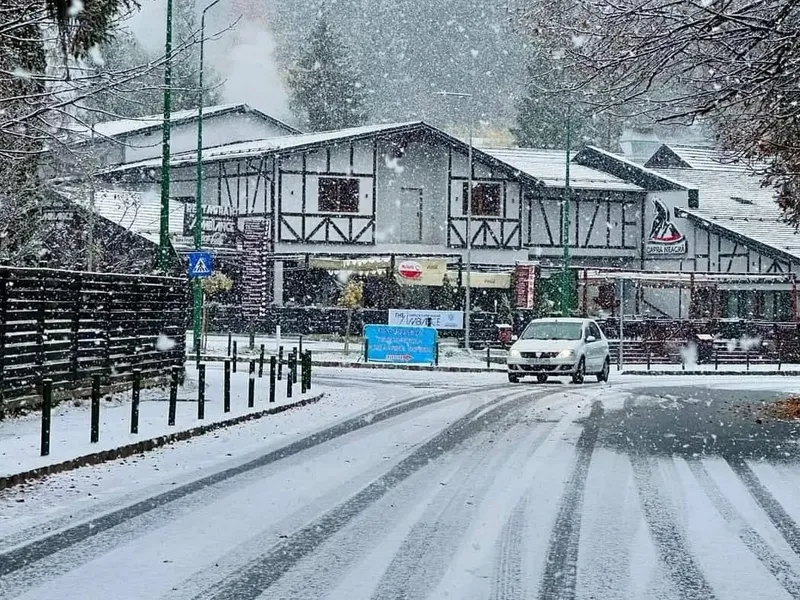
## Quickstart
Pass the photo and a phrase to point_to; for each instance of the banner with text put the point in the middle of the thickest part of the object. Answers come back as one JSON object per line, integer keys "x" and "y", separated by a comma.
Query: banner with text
{"x": 438, "y": 319}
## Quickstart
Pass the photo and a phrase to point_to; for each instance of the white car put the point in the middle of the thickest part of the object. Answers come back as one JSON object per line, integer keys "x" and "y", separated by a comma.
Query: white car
{"x": 574, "y": 347}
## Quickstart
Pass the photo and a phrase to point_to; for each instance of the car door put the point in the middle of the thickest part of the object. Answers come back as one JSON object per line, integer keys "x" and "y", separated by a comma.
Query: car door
{"x": 593, "y": 359}
{"x": 599, "y": 346}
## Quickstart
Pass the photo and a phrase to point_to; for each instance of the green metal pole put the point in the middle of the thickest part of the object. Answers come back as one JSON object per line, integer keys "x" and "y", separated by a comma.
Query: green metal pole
{"x": 198, "y": 200}
{"x": 163, "y": 248}
{"x": 566, "y": 292}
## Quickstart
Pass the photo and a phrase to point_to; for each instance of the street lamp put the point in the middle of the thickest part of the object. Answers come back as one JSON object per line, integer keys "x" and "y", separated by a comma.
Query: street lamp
{"x": 468, "y": 228}
{"x": 163, "y": 242}
{"x": 566, "y": 288}
{"x": 198, "y": 200}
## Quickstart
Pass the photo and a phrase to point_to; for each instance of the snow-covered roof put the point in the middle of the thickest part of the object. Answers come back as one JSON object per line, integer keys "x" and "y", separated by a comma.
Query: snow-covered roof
{"x": 549, "y": 166}
{"x": 706, "y": 158}
{"x": 124, "y": 127}
{"x": 139, "y": 212}
{"x": 737, "y": 201}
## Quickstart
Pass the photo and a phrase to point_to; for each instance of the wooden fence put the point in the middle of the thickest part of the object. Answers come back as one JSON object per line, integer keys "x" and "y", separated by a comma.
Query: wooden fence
{"x": 68, "y": 326}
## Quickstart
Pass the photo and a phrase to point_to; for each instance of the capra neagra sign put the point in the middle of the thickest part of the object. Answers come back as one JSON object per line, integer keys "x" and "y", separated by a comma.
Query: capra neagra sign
{"x": 664, "y": 238}
{"x": 399, "y": 344}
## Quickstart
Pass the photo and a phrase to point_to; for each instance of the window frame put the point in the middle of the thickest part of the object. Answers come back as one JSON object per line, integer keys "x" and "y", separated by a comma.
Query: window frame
{"x": 484, "y": 185}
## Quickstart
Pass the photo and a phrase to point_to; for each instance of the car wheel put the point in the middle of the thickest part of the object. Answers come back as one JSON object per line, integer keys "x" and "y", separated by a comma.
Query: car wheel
{"x": 541, "y": 378}
{"x": 603, "y": 375}
{"x": 513, "y": 378}
{"x": 580, "y": 372}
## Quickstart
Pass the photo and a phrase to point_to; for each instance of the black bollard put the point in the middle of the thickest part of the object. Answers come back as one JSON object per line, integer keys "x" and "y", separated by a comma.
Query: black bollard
{"x": 173, "y": 397}
{"x": 272, "y": 361}
{"x": 261, "y": 362}
{"x": 303, "y": 373}
{"x": 280, "y": 363}
{"x": 235, "y": 360}
{"x": 94, "y": 434}
{"x": 251, "y": 385}
{"x": 226, "y": 387}
{"x": 488, "y": 357}
{"x": 201, "y": 392}
{"x": 230, "y": 337}
{"x": 300, "y": 345}
{"x": 137, "y": 386}
{"x": 294, "y": 365}
{"x": 366, "y": 350}
{"x": 436, "y": 355}
{"x": 252, "y": 340}
{"x": 308, "y": 383}
{"x": 289, "y": 376}
{"x": 47, "y": 403}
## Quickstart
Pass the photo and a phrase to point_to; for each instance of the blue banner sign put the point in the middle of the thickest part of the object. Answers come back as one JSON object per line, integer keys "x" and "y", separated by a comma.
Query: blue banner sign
{"x": 400, "y": 344}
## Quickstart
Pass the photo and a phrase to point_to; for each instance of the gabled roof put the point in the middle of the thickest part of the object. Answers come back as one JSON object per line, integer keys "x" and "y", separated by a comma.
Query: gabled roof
{"x": 549, "y": 166}
{"x": 125, "y": 127}
{"x": 308, "y": 141}
{"x": 138, "y": 212}
{"x": 693, "y": 157}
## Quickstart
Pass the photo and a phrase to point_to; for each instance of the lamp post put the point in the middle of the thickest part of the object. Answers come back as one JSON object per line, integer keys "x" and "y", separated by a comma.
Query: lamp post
{"x": 468, "y": 227}
{"x": 566, "y": 291}
{"x": 163, "y": 245}
{"x": 197, "y": 305}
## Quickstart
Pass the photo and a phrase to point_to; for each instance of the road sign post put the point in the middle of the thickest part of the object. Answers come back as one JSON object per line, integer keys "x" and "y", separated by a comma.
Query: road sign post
{"x": 201, "y": 265}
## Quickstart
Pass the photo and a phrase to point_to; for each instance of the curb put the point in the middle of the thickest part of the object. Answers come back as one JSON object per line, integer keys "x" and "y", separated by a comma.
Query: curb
{"x": 359, "y": 365}
{"x": 95, "y": 458}
{"x": 727, "y": 373}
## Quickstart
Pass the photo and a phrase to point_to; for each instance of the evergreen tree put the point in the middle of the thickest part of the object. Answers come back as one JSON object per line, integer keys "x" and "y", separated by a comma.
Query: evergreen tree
{"x": 324, "y": 83}
{"x": 445, "y": 296}
{"x": 543, "y": 110}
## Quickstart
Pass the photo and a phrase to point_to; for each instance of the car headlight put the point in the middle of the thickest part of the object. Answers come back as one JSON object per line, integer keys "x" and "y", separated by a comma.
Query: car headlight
{"x": 566, "y": 353}
{"x": 514, "y": 354}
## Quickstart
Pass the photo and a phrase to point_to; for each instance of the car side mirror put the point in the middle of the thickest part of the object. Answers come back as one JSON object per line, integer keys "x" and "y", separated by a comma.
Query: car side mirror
{"x": 514, "y": 338}
{"x": 591, "y": 338}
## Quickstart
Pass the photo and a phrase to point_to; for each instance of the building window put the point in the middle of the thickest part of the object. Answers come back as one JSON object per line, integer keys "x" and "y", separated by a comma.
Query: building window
{"x": 486, "y": 199}
{"x": 338, "y": 194}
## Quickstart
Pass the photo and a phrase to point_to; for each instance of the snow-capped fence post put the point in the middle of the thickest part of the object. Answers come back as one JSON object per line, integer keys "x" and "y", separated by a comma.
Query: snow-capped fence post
{"x": 280, "y": 363}
{"x": 308, "y": 357}
{"x": 94, "y": 433}
{"x": 261, "y": 362}
{"x": 294, "y": 365}
{"x": 272, "y": 361}
{"x": 137, "y": 383}
{"x": 173, "y": 396}
{"x": 235, "y": 360}
{"x": 303, "y": 374}
{"x": 226, "y": 387}
{"x": 251, "y": 385}
{"x": 201, "y": 392}
{"x": 47, "y": 402}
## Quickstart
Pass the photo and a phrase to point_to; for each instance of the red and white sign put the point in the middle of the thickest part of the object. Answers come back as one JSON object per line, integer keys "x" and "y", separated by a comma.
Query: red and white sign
{"x": 410, "y": 269}
{"x": 524, "y": 286}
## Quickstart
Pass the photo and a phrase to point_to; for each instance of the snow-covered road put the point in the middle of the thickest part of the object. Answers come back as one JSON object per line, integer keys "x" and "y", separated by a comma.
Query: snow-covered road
{"x": 420, "y": 485}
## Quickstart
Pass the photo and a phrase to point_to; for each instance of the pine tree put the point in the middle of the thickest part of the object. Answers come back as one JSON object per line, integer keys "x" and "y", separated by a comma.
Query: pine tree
{"x": 324, "y": 83}
{"x": 543, "y": 110}
{"x": 445, "y": 296}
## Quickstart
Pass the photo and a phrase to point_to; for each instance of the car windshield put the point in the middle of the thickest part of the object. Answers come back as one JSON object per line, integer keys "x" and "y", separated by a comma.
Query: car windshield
{"x": 552, "y": 330}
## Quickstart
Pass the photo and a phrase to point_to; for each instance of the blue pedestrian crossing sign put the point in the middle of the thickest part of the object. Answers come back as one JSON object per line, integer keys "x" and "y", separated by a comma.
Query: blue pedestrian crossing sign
{"x": 201, "y": 264}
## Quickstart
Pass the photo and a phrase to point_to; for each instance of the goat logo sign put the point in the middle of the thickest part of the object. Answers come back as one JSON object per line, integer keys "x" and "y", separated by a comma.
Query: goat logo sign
{"x": 400, "y": 344}
{"x": 665, "y": 238}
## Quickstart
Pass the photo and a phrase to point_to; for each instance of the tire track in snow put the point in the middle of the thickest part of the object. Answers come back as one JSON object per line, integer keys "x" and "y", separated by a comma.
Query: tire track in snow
{"x": 783, "y": 572}
{"x": 560, "y": 573}
{"x": 25, "y": 555}
{"x": 253, "y": 579}
{"x": 670, "y": 541}
{"x": 781, "y": 519}
{"x": 507, "y": 583}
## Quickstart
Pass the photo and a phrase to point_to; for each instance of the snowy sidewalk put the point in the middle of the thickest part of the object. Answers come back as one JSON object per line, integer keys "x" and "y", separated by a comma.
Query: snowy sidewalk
{"x": 69, "y": 438}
